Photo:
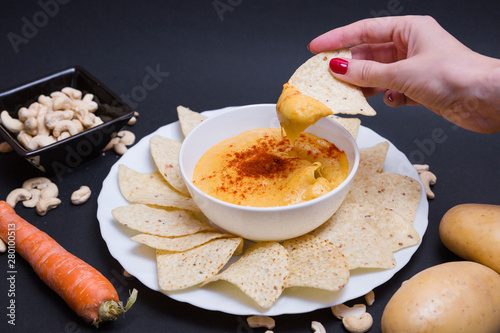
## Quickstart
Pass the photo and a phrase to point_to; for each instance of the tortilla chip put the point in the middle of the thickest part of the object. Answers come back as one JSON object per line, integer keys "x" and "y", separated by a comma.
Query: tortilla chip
{"x": 313, "y": 78}
{"x": 151, "y": 188}
{"x": 160, "y": 222}
{"x": 350, "y": 124}
{"x": 353, "y": 230}
{"x": 181, "y": 270}
{"x": 178, "y": 244}
{"x": 188, "y": 119}
{"x": 371, "y": 160}
{"x": 388, "y": 190}
{"x": 165, "y": 153}
{"x": 261, "y": 273}
{"x": 316, "y": 263}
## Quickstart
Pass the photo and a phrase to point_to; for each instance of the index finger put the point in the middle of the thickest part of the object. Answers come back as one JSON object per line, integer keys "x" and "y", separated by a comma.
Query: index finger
{"x": 374, "y": 30}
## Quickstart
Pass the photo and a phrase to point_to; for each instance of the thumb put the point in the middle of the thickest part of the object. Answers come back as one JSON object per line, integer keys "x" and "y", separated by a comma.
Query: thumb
{"x": 363, "y": 73}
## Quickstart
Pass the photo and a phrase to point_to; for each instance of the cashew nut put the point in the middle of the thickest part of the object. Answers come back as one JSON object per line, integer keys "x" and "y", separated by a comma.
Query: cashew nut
{"x": 84, "y": 104}
{"x": 42, "y": 129}
{"x": 340, "y": 311}
{"x": 5, "y": 147}
{"x": 81, "y": 195}
{"x": 44, "y": 205}
{"x": 78, "y": 125}
{"x": 88, "y": 97}
{"x": 11, "y": 124}
{"x": 31, "y": 126}
{"x": 46, "y": 101}
{"x": 317, "y": 327}
{"x": 132, "y": 121}
{"x": 24, "y": 138}
{"x": 260, "y": 321}
{"x": 358, "y": 325}
{"x": 64, "y": 125}
{"x": 421, "y": 167}
{"x": 63, "y": 135}
{"x": 428, "y": 179}
{"x": 50, "y": 191}
{"x": 60, "y": 101}
{"x": 97, "y": 121}
{"x": 52, "y": 118}
{"x": 72, "y": 92}
{"x": 111, "y": 143}
{"x": 120, "y": 148}
{"x": 370, "y": 298}
{"x": 85, "y": 117}
{"x": 37, "y": 182}
{"x": 35, "y": 197}
{"x": 3, "y": 246}
{"x": 40, "y": 141}
{"x": 19, "y": 194}
{"x": 126, "y": 137}
{"x": 24, "y": 114}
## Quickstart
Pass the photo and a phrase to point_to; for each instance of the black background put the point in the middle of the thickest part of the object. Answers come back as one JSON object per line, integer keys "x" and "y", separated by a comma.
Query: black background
{"x": 216, "y": 59}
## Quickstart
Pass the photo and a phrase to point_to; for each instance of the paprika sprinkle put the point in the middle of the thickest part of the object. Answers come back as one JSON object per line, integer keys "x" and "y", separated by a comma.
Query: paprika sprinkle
{"x": 261, "y": 168}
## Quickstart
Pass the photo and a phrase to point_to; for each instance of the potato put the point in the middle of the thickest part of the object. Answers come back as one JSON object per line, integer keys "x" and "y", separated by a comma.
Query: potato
{"x": 451, "y": 297}
{"x": 472, "y": 231}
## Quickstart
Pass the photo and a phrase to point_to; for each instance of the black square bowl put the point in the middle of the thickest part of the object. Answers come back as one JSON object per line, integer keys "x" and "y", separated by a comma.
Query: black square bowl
{"x": 65, "y": 155}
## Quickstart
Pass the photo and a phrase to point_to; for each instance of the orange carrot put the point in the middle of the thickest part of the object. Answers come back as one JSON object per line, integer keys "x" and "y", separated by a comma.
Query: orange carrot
{"x": 81, "y": 286}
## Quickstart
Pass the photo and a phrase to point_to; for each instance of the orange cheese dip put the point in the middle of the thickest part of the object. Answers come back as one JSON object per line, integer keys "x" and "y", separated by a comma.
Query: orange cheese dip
{"x": 260, "y": 168}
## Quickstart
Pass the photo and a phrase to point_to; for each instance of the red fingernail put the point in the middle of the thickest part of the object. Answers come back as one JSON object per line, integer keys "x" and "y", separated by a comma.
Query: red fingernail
{"x": 390, "y": 98}
{"x": 338, "y": 66}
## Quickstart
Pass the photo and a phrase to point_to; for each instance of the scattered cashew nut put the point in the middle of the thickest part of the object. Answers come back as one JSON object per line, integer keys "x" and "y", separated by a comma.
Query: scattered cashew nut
{"x": 126, "y": 137}
{"x": 421, "y": 167}
{"x": 111, "y": 143}
{"x": 261, "y": 321}
{"x": 358, "y": 325}
{"x": 19, "y": 194}
{"x": 50, "y": 191}
{"x": 35, "y": 197}
{"x": 44, "y": 205}
{"x": 317, "y": 327}
{"x": 370, "y": 298}
{"x": 3, "y": 246}
{"x": 132, "y": 121}
{"x": 37, "y": 182}
{"x": 340, "y": 311}
{"x": 120, "y": 142}
{"x": 428, "y": 178}
{"x": 81, "y": 195}
{"x": 120, "y": 148}
{"x": 355, "y": 318}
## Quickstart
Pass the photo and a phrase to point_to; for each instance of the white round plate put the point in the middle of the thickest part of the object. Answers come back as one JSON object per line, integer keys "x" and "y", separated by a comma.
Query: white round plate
{"x": 139, "y": 260}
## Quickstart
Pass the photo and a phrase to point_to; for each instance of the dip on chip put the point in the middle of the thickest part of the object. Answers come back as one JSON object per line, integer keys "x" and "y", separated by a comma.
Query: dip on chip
{"x": 296, "y": 111}
{"x": 260, "y": 168}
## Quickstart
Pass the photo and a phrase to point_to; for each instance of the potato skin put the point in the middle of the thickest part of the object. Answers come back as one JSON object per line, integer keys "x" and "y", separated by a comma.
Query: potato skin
{"x": 472, "y": 231}
{"x": 460, "y": 296}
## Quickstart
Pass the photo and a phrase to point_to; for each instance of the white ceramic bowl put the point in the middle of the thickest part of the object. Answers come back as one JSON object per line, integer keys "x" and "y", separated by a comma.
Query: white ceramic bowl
{"x": 263, "y": 223}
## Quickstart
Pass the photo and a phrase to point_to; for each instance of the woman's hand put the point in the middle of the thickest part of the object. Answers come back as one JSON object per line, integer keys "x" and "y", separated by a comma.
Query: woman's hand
{"x": 414, "y": 61}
